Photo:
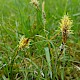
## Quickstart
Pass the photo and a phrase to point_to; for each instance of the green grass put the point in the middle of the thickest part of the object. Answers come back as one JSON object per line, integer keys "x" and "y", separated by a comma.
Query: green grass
{"x": 40, "y": 61}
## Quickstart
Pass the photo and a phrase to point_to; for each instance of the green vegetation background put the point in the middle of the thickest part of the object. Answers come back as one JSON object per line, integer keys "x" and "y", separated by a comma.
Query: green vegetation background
{"x": 40, "y": 61}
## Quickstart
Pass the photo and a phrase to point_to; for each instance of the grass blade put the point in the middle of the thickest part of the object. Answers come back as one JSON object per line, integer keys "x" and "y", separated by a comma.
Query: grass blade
{"x": 48, "y": 60}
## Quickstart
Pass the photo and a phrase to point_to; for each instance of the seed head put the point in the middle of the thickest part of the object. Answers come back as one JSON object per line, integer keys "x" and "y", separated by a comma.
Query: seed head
{"x": 35, "y": 3}
{"x": 43, "y": 13}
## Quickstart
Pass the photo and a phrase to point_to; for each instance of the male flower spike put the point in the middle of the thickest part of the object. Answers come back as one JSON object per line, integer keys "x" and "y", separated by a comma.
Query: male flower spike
{"x": 65, "y": 26}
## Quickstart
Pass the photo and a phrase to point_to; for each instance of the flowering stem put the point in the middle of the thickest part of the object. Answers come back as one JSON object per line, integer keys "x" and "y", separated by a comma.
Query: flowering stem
{"x": 63, "y": 71}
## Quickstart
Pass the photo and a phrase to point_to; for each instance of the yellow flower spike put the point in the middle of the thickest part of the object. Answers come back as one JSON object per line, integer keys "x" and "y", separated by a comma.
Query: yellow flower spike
{"x": 65, "y": 26}
{"x": 24, "y": 42}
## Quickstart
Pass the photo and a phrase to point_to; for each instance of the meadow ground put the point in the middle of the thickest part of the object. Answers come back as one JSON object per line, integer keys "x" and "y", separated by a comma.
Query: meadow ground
{"x": 34, "y": 45}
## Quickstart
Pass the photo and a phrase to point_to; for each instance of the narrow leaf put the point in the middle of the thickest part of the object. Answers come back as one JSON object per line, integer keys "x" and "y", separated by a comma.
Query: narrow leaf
{"x": 48, "y": 60}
